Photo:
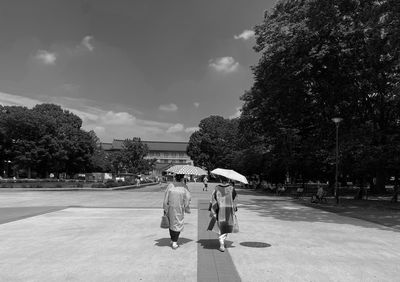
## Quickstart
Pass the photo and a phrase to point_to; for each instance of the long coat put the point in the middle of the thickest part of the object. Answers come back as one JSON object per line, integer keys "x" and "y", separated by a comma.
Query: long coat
{"x": 176, "y": 200}
{"x": 223, "y": 208}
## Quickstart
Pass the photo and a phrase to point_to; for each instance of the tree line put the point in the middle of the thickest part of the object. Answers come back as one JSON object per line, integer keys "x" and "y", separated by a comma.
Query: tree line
{"x": 48, "y": 139}
{"x": 318, "y": 60}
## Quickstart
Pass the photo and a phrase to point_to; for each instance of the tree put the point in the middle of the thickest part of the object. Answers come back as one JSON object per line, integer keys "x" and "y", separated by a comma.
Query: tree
{"x": 131, "y": 159}
{"x": 100, "y": 161}
{"x": 321, "y": 59}
{"x": 214, "y": 144}
{"x": 64, "y": 145}
{"x": 44, "y": 139}
{"x": 19, "y": 126}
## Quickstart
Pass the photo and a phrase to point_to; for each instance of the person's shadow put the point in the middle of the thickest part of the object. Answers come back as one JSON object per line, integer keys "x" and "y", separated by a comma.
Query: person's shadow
{"x": 165, "y": 242}
{"x": 210, "y": 244}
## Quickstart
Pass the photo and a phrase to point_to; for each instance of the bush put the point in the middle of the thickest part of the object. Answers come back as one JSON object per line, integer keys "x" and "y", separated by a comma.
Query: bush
{"x": 109, "y": 184}
{"x": 59, "y": 185}
{"x": 98, "y": 185}
{"x": 79, "y": 185}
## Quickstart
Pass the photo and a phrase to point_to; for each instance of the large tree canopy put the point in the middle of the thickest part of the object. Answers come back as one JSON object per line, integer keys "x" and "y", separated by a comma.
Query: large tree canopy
{"x": 322, "y": 59}
{"x": 214, "y": 144}
{"x": 45, "y": 139}
{"x": 131, "y": 159}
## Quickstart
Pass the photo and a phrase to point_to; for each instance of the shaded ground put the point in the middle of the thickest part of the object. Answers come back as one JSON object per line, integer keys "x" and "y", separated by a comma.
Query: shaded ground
{"x": 284, "y": 239}
{"x": 376, "y": 209}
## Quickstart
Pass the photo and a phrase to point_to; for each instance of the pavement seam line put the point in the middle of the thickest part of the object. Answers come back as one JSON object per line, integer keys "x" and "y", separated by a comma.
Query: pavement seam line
{"x": 222, "y": 264}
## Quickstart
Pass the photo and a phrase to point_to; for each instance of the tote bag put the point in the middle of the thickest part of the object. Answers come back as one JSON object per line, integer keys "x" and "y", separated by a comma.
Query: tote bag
{"x": 235, "y": 224}
{"x": 164, "y": 222}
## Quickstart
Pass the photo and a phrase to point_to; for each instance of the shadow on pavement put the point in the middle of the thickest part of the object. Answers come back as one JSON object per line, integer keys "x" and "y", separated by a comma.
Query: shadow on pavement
{"x": 290, "y": 210}
{"x": 255, "y": 244}
{"x": 9, "y": 214}
{"x": 213, "y": 244}
{"x": 165, "y": 242}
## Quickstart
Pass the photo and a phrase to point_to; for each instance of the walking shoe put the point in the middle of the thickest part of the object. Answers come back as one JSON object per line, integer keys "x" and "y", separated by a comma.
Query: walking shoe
{"x": 174, "y": 245}
{"x": 221, "y": 248}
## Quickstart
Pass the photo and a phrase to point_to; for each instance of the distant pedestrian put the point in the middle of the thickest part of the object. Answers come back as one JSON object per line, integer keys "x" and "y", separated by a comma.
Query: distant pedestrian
{"x": 222, "y": 211}
{"x": 176, "y": 203}
{"x": 320, "y": 191}
{"x": 317, "y": 198}
{"x": 300, "y": 191}
{"x": 280, "y": 189}
{"x": 205, "y": 181}
{"x": 395, "y": 192}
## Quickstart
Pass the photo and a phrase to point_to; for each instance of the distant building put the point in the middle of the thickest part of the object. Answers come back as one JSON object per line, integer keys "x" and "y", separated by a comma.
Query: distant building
{"x": 166, "y": 153}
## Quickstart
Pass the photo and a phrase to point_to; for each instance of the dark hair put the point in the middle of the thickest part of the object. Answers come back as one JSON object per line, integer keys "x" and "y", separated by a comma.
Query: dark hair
{"x": 179, "y": 177}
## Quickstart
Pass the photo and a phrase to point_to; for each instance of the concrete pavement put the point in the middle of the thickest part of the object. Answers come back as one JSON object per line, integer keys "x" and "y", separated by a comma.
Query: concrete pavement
{"x": 115, "y": 236}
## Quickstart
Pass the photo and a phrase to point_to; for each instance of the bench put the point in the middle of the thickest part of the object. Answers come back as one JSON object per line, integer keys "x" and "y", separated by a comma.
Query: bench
{"x": 322, "y": 199}
{"x": 298, "y": 193}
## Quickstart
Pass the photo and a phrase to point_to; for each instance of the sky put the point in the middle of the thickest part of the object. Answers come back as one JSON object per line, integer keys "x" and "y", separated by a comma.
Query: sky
{"x": 129, "y": 68}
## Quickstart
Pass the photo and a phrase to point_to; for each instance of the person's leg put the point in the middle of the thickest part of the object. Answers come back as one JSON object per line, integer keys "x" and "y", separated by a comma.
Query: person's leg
{"x": 222, "y": 242}
{"x": 174, "y": 238}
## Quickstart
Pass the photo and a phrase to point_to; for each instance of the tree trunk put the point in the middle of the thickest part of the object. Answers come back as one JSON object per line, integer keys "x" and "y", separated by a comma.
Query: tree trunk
{"x": 379, "y": 186}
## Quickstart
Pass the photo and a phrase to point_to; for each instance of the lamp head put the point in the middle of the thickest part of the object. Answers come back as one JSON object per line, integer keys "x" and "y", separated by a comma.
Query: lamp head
{"x": 337, "y": 120}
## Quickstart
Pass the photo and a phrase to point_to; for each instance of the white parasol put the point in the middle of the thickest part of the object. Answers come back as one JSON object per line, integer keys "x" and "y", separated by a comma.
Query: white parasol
{"x": 231, "y": 174}
{"x": 187, "y": 169}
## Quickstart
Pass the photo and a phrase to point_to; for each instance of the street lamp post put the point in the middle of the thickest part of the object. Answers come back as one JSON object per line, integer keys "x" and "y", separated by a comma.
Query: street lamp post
{"x": 6, "y": 168}
{"x": 337, "y": 120}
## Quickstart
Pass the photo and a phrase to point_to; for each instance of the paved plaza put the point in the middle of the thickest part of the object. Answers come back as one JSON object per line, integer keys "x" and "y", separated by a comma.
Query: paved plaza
{"x": 115, "y": 236}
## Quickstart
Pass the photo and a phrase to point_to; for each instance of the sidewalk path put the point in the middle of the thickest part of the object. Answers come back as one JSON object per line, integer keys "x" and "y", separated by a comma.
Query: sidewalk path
{"x": 115, "y": 236}
{"x": 212, "y": 265}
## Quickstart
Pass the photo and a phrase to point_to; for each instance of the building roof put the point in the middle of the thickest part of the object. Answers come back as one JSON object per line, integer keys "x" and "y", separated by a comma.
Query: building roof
{"x": 166, "y": 146}
{"x": 164, "y": 166}
{"x": 106, "y": 146}
{"x": 163, "y": 146}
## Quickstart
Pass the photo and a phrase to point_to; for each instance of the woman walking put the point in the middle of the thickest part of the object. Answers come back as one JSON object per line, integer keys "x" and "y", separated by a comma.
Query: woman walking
{"x": 176, "y": 203}
{"x": 222, "y": 210}
{"x": 205, "y": 181}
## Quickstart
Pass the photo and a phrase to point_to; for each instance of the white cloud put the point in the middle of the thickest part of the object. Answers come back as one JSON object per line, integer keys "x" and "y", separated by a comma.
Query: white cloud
{"x": 86, "y": 42}
{"x": 121, "y": 118}
{"x": 61, "y": 50}
{"x": 191, "y": 129}
{"x": 175, "y": 128}
{"x": 14, "y": 100}
{"x": 46, "y": 57}
{"x": 224, "y": 64}
{"x": 237, "y": 114}
{"x": 245, "y": 35}
{"x": 99, "y": 129}
{"x": 168, "y": 108}
{"x": 196, "y": 104}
